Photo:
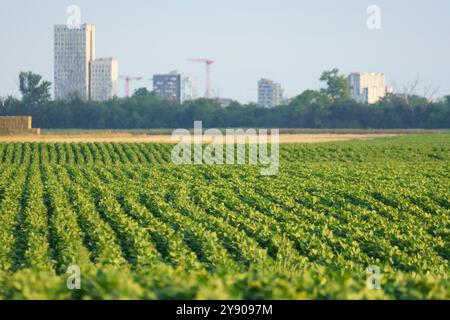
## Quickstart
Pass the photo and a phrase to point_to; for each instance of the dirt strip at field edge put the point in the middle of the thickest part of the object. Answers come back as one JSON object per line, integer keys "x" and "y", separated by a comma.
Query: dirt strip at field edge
{"x": 143, "y": 138}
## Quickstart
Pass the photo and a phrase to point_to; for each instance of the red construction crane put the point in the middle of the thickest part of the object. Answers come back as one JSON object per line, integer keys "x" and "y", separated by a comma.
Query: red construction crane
{"x": 128, "y": 80}
{"x": 208, "y": 64}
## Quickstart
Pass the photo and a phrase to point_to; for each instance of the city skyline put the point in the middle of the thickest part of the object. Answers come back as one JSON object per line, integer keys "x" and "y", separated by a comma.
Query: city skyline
{"x": 77, "y": 71}
{"x": 312, "y": 38}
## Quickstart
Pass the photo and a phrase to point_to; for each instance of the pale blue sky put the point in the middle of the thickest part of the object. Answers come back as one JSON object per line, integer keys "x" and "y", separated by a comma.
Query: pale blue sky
{"x": 289, "y": 41}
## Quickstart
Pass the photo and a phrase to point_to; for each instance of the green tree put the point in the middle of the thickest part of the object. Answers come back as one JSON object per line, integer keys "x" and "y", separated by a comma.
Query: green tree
{"x": 447, "y": 99}
{"x": 337, "y": 85}
{"x": 309, "y": 97}
{"x": 34, "y": 90}
{"x": 143, "y": 93}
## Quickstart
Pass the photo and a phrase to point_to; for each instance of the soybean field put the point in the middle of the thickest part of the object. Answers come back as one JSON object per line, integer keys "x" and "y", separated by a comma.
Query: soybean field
{"x": 139, "y": 227}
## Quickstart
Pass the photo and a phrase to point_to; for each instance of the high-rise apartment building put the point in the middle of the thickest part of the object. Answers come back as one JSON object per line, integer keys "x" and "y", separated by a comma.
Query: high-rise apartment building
{"x": 270, "y": 94}
{"x": 74, "y": 49}
{"x": 368, "y": 87}
{"x": 174, "y": 86}
{"x": 168, "y": 86}
{"x": 188, "y": 89}
{"x": 104, "y": 78}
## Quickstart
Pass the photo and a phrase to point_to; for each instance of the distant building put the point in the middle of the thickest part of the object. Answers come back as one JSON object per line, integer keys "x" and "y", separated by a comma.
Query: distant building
{"x": 368, "y": 87}
{"x": 287, "y": 100}
{"x": 188, "y": 89}
{"x": 104, "y": 78}
{"x": 174, "y": 87}
{"x": 74, "y": 49}
{"x": 224, "y": 102}
{"x": 270, "y": 94}
{"x": 168, "y": 86}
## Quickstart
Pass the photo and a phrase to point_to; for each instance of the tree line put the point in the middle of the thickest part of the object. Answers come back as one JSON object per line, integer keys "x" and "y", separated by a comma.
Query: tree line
{"x": 330, "y": 107}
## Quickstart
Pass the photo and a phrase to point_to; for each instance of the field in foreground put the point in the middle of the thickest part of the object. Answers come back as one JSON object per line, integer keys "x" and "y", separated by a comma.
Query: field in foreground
{"x": 140, "y": 227}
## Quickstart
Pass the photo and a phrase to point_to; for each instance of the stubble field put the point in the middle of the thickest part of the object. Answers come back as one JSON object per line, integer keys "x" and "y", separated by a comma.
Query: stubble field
{"x": 127, "y": 137}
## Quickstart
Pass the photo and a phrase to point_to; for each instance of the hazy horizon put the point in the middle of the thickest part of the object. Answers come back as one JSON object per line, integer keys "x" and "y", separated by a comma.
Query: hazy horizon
{"x": 289, "y": 41}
